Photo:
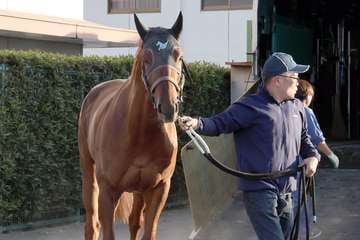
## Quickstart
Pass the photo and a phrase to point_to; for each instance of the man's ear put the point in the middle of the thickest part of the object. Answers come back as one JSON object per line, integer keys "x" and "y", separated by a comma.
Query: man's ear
{"x": 277, "y": 80}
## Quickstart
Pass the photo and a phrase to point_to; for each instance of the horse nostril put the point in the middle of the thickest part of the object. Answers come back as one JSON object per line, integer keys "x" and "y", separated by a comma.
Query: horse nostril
{"x": 159, "y": 108}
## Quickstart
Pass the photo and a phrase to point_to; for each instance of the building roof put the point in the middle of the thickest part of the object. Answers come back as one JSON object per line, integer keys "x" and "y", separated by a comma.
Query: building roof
{"x": 41, "y": 27}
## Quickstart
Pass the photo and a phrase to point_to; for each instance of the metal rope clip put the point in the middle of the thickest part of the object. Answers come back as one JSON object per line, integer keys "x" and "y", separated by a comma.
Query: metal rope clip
{"x": 198, "y": 141}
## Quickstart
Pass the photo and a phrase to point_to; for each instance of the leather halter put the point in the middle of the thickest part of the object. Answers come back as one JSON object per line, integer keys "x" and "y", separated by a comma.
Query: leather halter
{"x": 151, "y": 88}
{"x": 161, "y": 44}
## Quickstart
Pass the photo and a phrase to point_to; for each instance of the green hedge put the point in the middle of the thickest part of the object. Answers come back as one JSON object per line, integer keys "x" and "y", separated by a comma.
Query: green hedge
{"x": 40, "y": 98}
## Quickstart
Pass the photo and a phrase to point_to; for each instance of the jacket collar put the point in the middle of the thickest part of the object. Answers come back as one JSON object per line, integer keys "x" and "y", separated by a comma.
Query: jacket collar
{"x": 264, "y": 93}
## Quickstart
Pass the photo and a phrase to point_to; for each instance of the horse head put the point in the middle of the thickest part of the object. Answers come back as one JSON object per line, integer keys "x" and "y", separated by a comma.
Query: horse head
{"x": 162, "y": 67}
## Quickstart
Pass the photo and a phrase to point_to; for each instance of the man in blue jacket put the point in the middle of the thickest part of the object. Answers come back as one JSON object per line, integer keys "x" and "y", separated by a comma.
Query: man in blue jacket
{"x": 270, "y": 135}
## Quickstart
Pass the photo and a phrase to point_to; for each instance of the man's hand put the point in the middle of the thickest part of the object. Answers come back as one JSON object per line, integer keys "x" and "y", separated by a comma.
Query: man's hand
{"x": 311, "y": 165}
{"x": 187, "y": 122}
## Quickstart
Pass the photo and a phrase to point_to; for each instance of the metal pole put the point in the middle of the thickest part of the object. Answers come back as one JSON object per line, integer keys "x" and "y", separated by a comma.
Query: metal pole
{"x": 338, "y": 60}
{"x": 349, "y": 83}
{"x": 228, "y": 30}
{"x": 343, "y": 80}
{"x": 318, "y": 60}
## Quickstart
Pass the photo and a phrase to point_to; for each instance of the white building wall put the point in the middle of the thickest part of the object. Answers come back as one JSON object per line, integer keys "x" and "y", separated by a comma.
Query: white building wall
{"x": 212, "y": 36}
{"x": 63, "y": 8}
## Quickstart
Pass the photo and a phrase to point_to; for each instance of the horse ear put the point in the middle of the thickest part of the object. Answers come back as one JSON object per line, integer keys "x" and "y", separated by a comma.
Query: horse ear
{"x": 177, "y": 27}
{"x": 140, "y": 28}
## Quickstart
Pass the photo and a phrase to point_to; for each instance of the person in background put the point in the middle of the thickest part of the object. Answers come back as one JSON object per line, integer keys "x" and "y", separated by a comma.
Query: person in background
{"x": 270, "y": 135}
{"x": 305, "y": 93}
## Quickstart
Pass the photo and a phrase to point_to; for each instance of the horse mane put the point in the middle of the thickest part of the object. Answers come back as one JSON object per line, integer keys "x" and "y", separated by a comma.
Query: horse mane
{"x": 136, "y": 69}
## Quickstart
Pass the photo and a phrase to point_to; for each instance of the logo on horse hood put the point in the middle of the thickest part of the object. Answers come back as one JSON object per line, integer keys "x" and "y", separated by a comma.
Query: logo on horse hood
{"x": 161, "y": 45}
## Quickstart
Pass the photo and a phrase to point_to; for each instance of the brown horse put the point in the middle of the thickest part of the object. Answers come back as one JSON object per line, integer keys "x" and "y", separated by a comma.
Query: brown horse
{"x": 127, "y": 138}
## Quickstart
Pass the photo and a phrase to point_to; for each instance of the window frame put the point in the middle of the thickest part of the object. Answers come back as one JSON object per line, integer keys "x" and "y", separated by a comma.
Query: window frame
{"x": 225, "y": 7}
{"x": 132, "y": 10}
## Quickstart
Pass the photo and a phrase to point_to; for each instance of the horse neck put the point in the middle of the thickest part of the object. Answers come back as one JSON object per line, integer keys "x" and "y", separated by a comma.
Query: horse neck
{"x": 140, "y": 105}
{"x": 141, "y": 113}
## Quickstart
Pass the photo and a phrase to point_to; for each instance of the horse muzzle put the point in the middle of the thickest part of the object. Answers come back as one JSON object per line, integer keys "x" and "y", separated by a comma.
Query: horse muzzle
{"x": 167, "y": 112}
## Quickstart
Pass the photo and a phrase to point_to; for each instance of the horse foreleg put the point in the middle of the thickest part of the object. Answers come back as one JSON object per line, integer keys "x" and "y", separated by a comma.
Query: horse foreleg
{"x": 90, "y": 191}
{"x": 155, "y": 202}
{"x": 136, "y": 216}
{"x": 107, "y": 204}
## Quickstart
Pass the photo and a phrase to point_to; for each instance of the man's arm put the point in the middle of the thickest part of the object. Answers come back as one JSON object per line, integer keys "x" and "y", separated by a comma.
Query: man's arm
{"x": 233, "y": 118}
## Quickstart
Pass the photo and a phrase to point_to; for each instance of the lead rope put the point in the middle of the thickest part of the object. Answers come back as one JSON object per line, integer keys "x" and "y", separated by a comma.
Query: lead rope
{"x": 306, "y": 186}
{"x": 204, "y": 149}
{"x": 301, "y": 202}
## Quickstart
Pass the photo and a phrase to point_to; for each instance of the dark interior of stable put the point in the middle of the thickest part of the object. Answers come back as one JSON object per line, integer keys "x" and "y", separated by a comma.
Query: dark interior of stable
{"x": 326, "y": 35}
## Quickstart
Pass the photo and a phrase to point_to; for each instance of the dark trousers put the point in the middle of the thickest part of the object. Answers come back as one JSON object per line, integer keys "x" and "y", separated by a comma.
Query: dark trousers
{"x": 270, "y": 213}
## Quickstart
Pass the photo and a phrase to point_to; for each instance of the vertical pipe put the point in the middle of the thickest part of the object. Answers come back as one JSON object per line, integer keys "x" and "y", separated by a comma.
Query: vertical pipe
{"x": 228, "y": 30}
{"x": 349, "y": 83}
{"x": 338, "y": 130}
{"x": 338, "y": 59}
{"x": 318, "y": 60}
{"x": 342, "y": 56}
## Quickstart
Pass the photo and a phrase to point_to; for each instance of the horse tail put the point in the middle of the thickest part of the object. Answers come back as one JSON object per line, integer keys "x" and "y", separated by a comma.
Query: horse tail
{"x": 124, "y": 207}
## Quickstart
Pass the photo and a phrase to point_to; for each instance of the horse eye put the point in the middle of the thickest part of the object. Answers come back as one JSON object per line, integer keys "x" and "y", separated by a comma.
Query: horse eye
{"x": 147, "y": 58}
{"x": 147, "y": 61}
{"x": 177, "y": 54}
{"x": 178, "y": 59}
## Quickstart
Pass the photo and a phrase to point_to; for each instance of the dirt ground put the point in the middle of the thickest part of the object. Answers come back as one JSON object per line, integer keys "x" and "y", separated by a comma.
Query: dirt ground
{"x": 174, "y": 224}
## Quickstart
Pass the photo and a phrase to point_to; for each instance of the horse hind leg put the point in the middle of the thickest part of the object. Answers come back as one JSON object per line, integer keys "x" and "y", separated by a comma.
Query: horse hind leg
{"x": 136, "y": 216}
{"x": 154, "y": 201}
{"x": 90, "y": 191}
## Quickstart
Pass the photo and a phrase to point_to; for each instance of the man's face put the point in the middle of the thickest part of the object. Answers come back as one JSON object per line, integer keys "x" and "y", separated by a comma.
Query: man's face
{"x": 288, "y": 83}
{"x": 308, "y": 100}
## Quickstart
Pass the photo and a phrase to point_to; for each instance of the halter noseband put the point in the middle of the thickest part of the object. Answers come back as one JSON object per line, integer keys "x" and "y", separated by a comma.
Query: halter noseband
{"x": 151, "y": 88}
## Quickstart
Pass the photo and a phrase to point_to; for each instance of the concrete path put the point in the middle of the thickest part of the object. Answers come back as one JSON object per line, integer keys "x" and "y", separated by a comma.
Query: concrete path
{"x": 175, "y": 224}
{"x": 338, "y": 210}
{"x": 338, "y": 207}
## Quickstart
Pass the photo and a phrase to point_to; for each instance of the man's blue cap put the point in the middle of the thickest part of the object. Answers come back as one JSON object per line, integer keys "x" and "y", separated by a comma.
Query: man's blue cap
{"x": 279, "y": 63}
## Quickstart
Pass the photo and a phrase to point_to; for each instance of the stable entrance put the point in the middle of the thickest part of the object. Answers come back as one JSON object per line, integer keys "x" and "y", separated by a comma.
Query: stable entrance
{"x": 324, "y": 34}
